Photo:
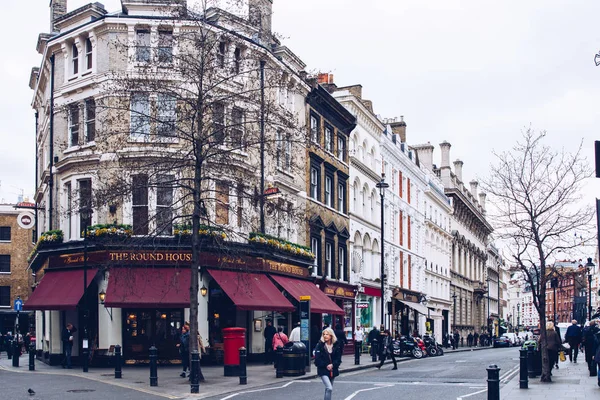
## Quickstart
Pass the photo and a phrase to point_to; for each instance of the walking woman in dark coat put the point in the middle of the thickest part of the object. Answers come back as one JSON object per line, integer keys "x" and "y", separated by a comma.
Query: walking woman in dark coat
{"x": 328, "y": 357}
{"x": 386, "y": 348}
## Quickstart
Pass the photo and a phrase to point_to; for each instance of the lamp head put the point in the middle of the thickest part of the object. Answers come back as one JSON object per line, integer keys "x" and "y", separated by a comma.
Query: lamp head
{"x": 203, "y": 291}
{"x": 102, "y": 296}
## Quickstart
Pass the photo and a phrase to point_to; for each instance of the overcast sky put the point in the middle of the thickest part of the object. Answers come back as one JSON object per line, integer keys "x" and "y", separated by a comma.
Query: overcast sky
{"x": 472, "y": 72}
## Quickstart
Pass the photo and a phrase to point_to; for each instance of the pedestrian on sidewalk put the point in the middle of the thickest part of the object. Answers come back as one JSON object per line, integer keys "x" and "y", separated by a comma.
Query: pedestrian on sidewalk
{"x": 359, "y": 336}
{"x": 372, "y": 338}
{"x": 589, "y": 343}
{"x": 552, "y": 344}
{"x": 456, "y": 339}
{"x": 597, "y": 356}
{"x": 386, "y": 347}
{"x": 328, "y": 357}
{"x": 295, "y": 333}
{"x": 475, "y": 339}
{"x": 573, "y": 337}
{"x": 67, "y": 340}
{"x": 341, "y": 336}
{"x": 470, "y": 339}
{"x": 268, "y": 334}
{"x": 184, "y": 350}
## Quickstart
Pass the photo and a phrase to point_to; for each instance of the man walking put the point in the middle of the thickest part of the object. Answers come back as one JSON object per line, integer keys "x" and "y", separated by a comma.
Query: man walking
{"x": 373, "y": 337}
{"x": 573, "y": 337}
{"x": 67, "y": 340}
{"x": 268, "y": 335}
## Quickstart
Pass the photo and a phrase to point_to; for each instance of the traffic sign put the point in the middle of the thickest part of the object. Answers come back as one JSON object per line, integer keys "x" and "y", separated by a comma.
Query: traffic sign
{"x": 18, "y": 305}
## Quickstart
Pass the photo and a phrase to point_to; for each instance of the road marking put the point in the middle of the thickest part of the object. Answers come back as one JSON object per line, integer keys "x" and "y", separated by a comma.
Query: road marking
{"x": 460, "y": 361}
{"x": 508, "y": 375}
{"x": 366, "y": 390}
{"x": 264, "y": 389}
{"x": 471, "y": 394}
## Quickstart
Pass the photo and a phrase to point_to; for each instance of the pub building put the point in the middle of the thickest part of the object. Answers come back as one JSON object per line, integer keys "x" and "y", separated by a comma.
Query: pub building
{"x": 140, "y": 298}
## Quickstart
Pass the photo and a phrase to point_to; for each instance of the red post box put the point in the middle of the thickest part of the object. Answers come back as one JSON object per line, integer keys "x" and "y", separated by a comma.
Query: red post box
{"x": 233, "y": 339}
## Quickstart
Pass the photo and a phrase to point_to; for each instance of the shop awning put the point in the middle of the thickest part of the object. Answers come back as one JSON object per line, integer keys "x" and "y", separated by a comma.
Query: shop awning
{"x": 319, "y": 302}
{"x": 148, "y": 287}
{"x": 417, "y": 306}
{"x": 59, "y": 290}
{"x": 251, "y": 291}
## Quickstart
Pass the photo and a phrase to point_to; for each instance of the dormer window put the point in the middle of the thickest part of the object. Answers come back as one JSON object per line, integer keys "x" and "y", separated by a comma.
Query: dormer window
{"x": 74, "y": 59}
{"x": 88, "y": 54}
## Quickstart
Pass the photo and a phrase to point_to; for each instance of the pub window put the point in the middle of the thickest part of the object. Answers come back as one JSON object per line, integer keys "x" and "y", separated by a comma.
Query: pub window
{"x": 142, "y": 50}
{"x": 164, "y": 204}
{"x": 5, "y": 233}
{"x": 4, "y": 263}
{"x": 139, "y": 202}
{"x": 88, "y": 54}
{"x": 237, "y": 127}
{"x": 222, "y": 203}
{"x": 73, "y": 124}
{"x": 85, "y": 203}
{"x": 165, "y": 46}
{"x": 5, "y": 296}
{"x": 314, "y": 129}
{"x": 90, "y": 120}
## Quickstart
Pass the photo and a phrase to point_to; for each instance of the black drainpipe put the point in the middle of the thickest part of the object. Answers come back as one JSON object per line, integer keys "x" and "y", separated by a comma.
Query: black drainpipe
{"x": 35, "y": 232}
{"x": 51, "y": 180}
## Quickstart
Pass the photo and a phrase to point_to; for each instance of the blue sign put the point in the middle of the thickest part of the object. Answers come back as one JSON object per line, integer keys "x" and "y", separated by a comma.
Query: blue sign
{"x": 18, "y": 305}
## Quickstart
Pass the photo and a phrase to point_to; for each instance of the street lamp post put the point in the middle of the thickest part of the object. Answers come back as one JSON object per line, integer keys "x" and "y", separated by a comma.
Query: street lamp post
{"x": 554, "y": 284}
{"x": 487, "y": 323}
{"x": 382, "y": 186}
{"x": 590, "y": 266}
{"x": 518, "y": 316}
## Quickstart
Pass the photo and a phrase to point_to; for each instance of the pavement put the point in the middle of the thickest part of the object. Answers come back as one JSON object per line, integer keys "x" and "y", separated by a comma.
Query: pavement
{"x": 172, "y": 386}
{"x": 571, "y": 381}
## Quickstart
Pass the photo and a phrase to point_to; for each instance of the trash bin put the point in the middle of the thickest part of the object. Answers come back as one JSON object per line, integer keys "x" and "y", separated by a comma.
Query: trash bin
{"x": 294, "y": 359}
{"x": 534, "y": 365}
{"x": 233, "y": 339}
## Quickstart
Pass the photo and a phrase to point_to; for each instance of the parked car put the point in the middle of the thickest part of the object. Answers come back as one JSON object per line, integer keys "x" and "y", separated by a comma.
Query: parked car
{"x": 502, "y": 341}
{"x": 515, "y": 340}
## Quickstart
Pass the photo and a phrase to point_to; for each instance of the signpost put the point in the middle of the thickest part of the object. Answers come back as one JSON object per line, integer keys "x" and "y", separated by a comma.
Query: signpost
{"x": 305, "y": 327}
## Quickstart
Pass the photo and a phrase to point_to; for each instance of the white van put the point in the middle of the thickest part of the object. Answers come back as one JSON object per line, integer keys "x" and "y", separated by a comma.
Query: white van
{"x": 562, "y": 327}
{"x": 514, "y": 339}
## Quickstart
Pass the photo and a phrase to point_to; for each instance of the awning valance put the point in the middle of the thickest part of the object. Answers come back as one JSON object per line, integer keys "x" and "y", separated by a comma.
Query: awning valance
{"x": 59, "y": 290}
{"x": 319, "y": 302}
{"x": 148, "y": 287}
{"x": 251, "y": 291}
{"x": 417, "y": 306}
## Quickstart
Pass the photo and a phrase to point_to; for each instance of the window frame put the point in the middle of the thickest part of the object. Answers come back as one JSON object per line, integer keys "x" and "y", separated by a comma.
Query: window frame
{"x": 3, "y": 235}
{"x": 342, "y": 268}
{"x": 218, "y": 122}
{"x": 5, "y": 297}
{"x": 164, "y": 204}
{"x": 139, "y": 204}
{"x": 236, "y": 128}
{"x": 165, "y": 46}
{"x": 74, "y": 124}
{"x": 166, "y": 115}
{"x": 5, "y": 261}
{"x": 222, "y": 203}
{"x": 89, "y": 56}
{"x": 314, "y": 128}
{"x": 221, "y": 51}
{"x": 329, "y": 193}
{"x": 139, "y": 115}
{"x": 315, "y": 247}
{"x": 315, "y": 183}
{"x": 142, "y": 45}
{"x": 328, "y": 138}
{"x": 89, "y": 123}
{"x": 341, "y": 196}
{"x": 74, "y": 59}
{"x": 237, "y": 60}
{"x": 341, "y": 152}
{"x": 85, "y": 201}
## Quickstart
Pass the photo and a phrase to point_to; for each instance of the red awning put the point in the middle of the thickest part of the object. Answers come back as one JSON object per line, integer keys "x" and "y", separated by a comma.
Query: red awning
{"x": 148, "y": 287}
{"x": 59, "y": 290}
{"x": 251, "y": 291}
{"x": 319, "y": 302}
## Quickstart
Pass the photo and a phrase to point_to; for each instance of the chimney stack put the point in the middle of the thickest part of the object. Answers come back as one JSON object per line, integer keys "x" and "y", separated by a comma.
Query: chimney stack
{"x": 259, "y": 15}
{"x": 445, "y": 172}
{"x": 482, "y": 197}
{"x": 458, "y": 169}
{"x": 425, "y": 154}
{"x": 58, "y": 8}
{"x": 474, "y": 185}
{"x": 399, "y": 128}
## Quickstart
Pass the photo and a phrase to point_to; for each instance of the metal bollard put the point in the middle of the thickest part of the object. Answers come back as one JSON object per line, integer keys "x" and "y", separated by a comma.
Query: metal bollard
{"x": 153, "y": 368}
{"x": 530, "y": 363}
{"x": 357, "y": 348}
{"x": 32, "y": 357}
{"x": 523, "y": 380}
{"x": 493, "y": 382}
{"x": 374, "y": 351}
{"x": 195, "y": 372}
{"x": 243, "y": 374}
{"x": 279, "y": 363}
{"x": 16, "y": 353}
{"x": 9, "y": 349}
{"x": 118, "y": 372}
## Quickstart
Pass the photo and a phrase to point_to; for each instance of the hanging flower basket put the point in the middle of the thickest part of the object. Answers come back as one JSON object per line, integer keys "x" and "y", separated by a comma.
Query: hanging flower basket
{"x": 205, "y": 232}
{"x": 46, "y": 239}
{"x": 109, "y": 231}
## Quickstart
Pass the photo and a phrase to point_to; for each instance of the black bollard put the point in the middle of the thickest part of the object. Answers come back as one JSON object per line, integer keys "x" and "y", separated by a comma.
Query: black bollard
{"x": 357, "y": 346}
{"x": 523, "y": 380}
{"x": 16, "y": 353}
{"x": 118, "y": 374}
{"x": 32, "y": 357}
{"x": 9, "y": 349}
{"x": 195, "y": 372}
{"x": 279, "y": 363}
{"x": 374, "y": 350}
{"x": 153, "y": 368}
{"x": 243, "y": 374}
{"x": 493, "y": 382}
{"x": 530, "y": 363}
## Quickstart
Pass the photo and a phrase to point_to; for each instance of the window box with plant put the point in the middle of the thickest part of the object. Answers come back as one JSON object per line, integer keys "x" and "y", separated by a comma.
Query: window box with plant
{"x": 47, "y": 239}
{"x": 284, "y": 246}
{"x": 109, "y": 231}
{"x": 205, "y": 231}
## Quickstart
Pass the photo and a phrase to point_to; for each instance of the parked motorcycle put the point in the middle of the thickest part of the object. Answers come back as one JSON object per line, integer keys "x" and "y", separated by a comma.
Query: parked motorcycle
{"x": 407, "y": 346}
{"x": 433, "y": 348}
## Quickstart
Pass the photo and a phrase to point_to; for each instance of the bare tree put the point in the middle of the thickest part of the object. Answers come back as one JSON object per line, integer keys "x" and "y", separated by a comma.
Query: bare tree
{"x": 537, "y": 200}
{"x": 206, "y": 114}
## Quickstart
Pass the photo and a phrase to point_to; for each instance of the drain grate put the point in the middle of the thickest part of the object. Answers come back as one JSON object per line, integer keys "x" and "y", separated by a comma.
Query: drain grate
{"x": 81, "y": 390}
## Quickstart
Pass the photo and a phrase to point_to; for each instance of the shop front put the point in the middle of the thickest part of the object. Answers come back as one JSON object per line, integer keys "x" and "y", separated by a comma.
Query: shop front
{"x": 344, "y": 296}
{"x": 405, "y": 309}
{"x": 367, "y": 302}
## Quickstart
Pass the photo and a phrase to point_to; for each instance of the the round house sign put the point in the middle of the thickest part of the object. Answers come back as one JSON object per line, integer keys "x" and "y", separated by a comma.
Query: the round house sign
{"x": 25, "y": 220}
